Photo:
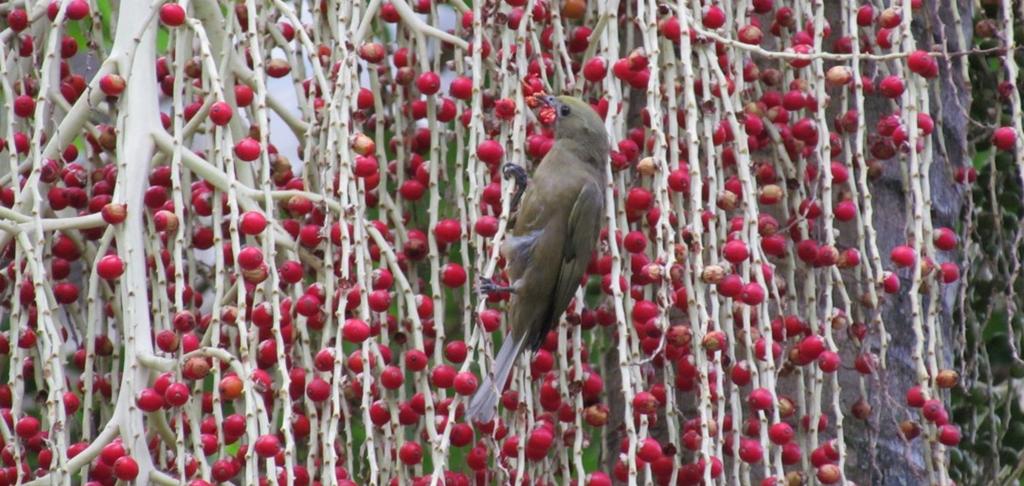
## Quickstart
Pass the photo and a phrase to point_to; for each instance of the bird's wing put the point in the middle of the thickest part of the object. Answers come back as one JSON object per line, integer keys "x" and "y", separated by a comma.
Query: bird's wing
{"x": 584, "y": 224}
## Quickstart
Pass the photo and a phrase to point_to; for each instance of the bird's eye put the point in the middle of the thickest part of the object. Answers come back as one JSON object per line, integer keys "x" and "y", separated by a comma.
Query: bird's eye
{"x": 563, "y": 111}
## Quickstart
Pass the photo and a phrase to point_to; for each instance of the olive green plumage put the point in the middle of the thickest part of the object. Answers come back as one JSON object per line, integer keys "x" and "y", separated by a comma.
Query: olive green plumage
{"x": 553, "y": 235}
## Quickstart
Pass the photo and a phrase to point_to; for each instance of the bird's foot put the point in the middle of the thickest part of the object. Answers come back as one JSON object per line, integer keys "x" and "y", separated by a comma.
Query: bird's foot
{"x": 487, "y": 286}
{"x": 517, "y": 172}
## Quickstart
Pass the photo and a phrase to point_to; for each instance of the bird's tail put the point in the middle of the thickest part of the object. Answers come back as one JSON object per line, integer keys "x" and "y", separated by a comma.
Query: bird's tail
{"x": 484, "y": 403}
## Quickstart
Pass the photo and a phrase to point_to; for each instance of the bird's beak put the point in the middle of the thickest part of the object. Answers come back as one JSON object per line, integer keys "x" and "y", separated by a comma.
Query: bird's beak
{"x": 549, "y": 101}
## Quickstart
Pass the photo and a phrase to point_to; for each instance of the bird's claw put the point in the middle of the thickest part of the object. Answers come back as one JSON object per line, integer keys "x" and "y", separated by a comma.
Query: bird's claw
{"x": 487, "y": 286}
{"x": 518, "y": 173}
{"x": 514, "y": 171}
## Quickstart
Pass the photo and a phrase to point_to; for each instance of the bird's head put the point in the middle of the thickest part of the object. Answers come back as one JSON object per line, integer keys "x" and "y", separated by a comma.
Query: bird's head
{"x": 575, "y": 119}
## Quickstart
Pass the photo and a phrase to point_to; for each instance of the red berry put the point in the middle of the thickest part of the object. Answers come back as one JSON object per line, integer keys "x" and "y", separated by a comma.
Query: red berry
{"x": 638, "y": 199}
{"x": 411, "y": 453}
{"x": 922, "y": 63}
{"x": 486, "y": 226}
{"x": 465, "y": 383}
{"x": 243, "y": 95}
{"x": 735, "y": 251}
{"x": 635, "y": 242}
{"x": 595, "y": 69}
{"x": 221, "y": 113}
{"x": 27, "y": 427}
{"x": 17, "y": 19}
{"x": 113, "y": 213}
{"x": 903, "y": 256}
{"x": 752, "y": 294}
{"x": 645, "y": 403}
{"x": 78, "y": 9}
{"x": 318, "y": 389}
{"x": 649, "y": 450}
{"x": 126, "y": 469}
{"x": 949, "y": 435}
{"x": 461, "y": 88}
{"x": 455, "y": 351}
{"x": 443, "y": 376}
{"x": 490, "y": 152}
{"x": 750, "y": 451}
{"x": 391, "y": 377}
{"x": 172, "y": 15}
{"x": 945, "y": 239}
{"x": 110, "y": 267}
{"x": 915, "y": 397}
{"x": 250, "y": 258}
{"x": 760, "y": 399}
{"x": 267, "y": 445}
{"x": 453, "y": 275}
{"x": 865, "y": 15}
{"x": 65, "y": 292}
{"x": 780, "y": 433}
{"x": 176, "y": 394}
{"x": 448, "y": 230}
{"x": 415, "y": 360}
{"x": 252, "y": 223}
{"x": 891, "y": 87}
{"x": 248, "y": 149}
{"x": 379, "y": 300}
{"x": 829, "y": 361}
{"x": 950, "y": 272}
{"x": 24, "y": 106}
{"x": 428, "y": 83}
{"x": 846, "y": 210}
{"x": 112, "y": 452}
{"x": 112, "y": 84}
{"x": 1004, "y": 138}
{"x": 355, "y": 331}
{"x": 149, "y": 400}
{"x": 713, "y": 17}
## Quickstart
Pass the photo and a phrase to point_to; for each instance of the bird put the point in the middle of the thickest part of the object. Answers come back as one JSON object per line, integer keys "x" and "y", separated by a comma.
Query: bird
{"x": 554, "y": 232}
